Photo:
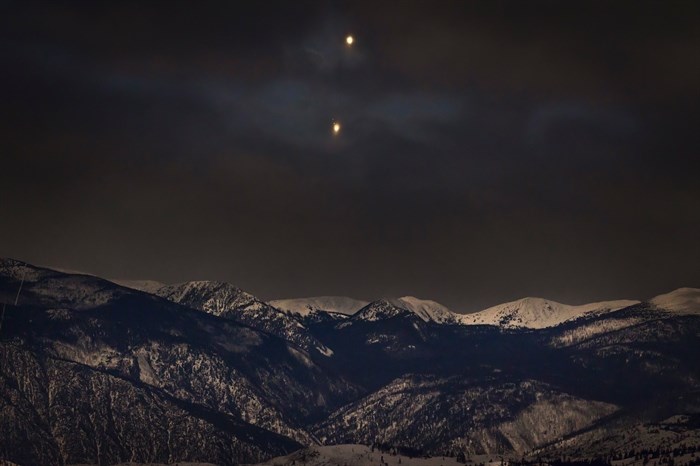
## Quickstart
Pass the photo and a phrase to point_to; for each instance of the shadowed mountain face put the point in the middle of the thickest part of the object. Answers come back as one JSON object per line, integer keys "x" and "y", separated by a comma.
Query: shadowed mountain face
{"x": 93, "y": 372}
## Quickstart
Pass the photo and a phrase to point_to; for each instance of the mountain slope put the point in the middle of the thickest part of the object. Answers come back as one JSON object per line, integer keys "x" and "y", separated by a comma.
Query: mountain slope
{"x": 56, "y": 412}
{"x": 449, "y": 415}
{"x": 225, "y": 300}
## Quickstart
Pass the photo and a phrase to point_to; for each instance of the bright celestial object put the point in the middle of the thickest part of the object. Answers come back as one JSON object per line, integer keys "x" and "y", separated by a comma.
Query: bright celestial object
{"x": 349, "y": 40}
{"x": 336, "y": 127}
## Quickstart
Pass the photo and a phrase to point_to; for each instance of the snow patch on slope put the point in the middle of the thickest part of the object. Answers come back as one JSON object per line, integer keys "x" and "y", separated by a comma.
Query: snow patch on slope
{"x": 305, "y": 306}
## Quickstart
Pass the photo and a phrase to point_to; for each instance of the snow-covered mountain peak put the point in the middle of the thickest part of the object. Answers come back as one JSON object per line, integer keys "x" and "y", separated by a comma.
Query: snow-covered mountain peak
{"x": 428, "y": 311}
{"x": 380, "y": 310}
{"x": 538, "y": 313}
{"x": 526, "y": 312}
{"x": 682, "y": 300}
{"x": 306, "y": 306}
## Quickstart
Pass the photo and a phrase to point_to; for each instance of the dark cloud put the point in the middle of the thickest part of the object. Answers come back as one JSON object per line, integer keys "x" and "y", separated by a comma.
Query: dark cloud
{"x": 488, "y": 151}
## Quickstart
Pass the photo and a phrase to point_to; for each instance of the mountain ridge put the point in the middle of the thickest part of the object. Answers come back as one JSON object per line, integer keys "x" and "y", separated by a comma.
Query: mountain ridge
{"x": 210, "y": 358}
{"x": 527, "y": 312}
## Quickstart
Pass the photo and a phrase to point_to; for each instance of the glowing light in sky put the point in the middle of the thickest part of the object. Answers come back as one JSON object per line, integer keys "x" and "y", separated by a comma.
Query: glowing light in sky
{"x": 336, "y": 127}
{"x": 349, "y": 40}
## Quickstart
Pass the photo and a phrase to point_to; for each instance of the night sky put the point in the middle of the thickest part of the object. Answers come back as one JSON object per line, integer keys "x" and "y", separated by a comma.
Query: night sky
{"x": 488, "y": 151}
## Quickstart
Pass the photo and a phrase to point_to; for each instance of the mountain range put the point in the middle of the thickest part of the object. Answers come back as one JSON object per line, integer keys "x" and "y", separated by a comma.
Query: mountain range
{"x": 96, "y": 371}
